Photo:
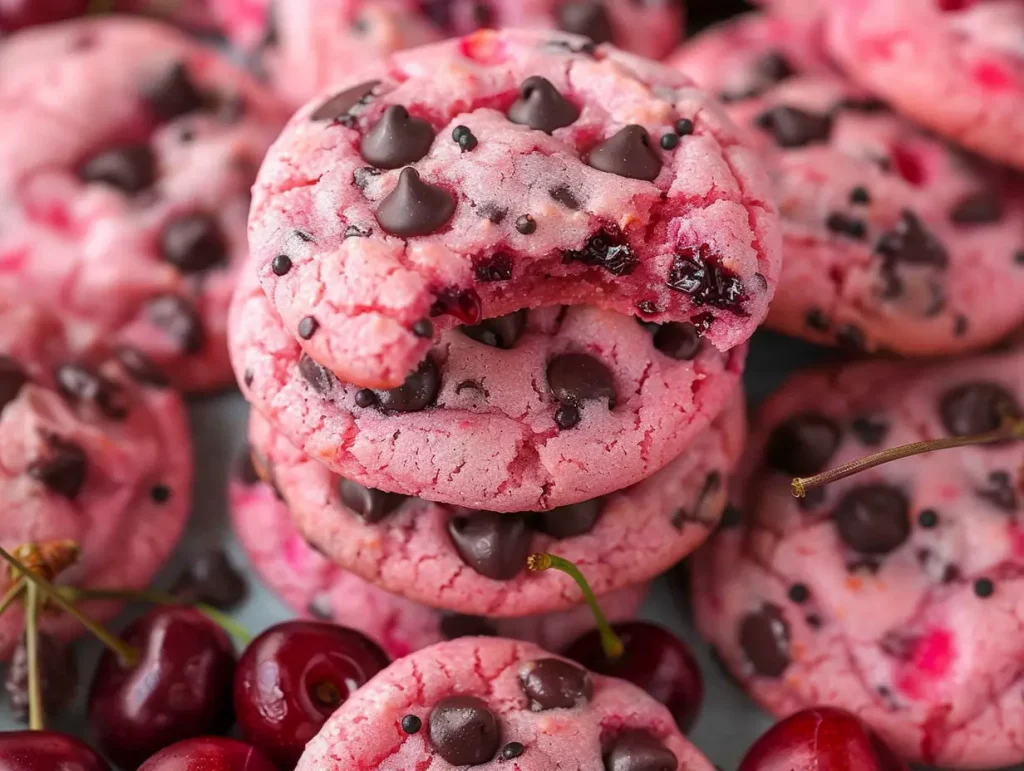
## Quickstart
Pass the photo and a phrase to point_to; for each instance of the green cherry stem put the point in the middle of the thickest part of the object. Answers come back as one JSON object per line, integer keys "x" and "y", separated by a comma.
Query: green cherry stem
{"x": 612, "y": 644}
{"x": 36, "y": 719}
{"x": 16, "y": 590}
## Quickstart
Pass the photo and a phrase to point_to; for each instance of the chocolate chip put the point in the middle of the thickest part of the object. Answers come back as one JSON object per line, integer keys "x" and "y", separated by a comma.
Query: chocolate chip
{"x": 764, "y": 638}
{"x": 411, "y": 724}
{"x": 793, "y": 127}
{"x": 464, "y": 731}
{"x": 799, "y": 593}
{"x": 130, "y": 168}
{"x": 365, "y": 398}
{"x": 140, "y": 367}
{"x": 773, "y": 67}
{"x": 696, "y": 272}
{"x": 418, "y": 392}
{"x": 684, "y": 127}
{"x": 981, "y": 208}
{"x": 844, "y": 225}
{"x": 541, "y": 106}
{"x": 669, "y": 141}
{"x": 569, "y": 521}
{"x": 639, "y": 751}
{"x": 397, "y": 139}
{"x": 564, "y": 195}
{"x": 586, "y": 17}
{"x": 578, "y": 377}
{"x": 340, "y": 106}
{"x": 555, "y": 684}
{"x": 58, "y": 677}
{"x": 817, "y": 320}
{"x": 211, "y": 579}
{"x": 456, "y": 625}
{"x": 308, "y": 327}
{"x": 678, "y": 340}
{"x": 608, "y": 249}
{"x": 803, "y": 445}
{"x": 1000, "y": 492}
{"x": 464, "y": 138}
{"x": 928, "y": 519}
{"x": 502, "y": 332}
{"x": 415, "y": 207}
{"x": 567, "y": 417}
{"x": 870, "y": 431}
{"x": 281, "y": 265}
{"x": 12, "y": 379}
{"x": 526, "y": 225}
{"x": 173, "y": 94}
{"x": 84, "y": 384}
{"x": 912, "y": 243}
{"x": 177, "y": 318}
{"x": 984, "y": 588}
{"x": 860, "y": 195}
{"x": 873, "y": 519}
{"x": 977, "y": 408}
{"x": 512, "y": 750}
{"x": 497, "y": 267}
{"x": 629, "y": 153}
{"x": 368, "y": 504}
{"x": 64, "y": 469}
{"x": 494, "y": 545}
{"x": 193, "y": 243}
{"x": 319, "y": 377}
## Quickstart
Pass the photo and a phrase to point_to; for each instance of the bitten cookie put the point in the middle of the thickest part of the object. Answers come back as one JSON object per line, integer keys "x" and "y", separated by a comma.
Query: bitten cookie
{"x": 126, "y": 155}
{"x": 502, "y": 171}
{"x": 94, "y": 449}
{"x": 896, "y": 593}
{"x": 493, "y": 703}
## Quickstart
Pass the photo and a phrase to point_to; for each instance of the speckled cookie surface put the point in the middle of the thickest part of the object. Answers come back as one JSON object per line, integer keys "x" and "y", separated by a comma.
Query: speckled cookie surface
{"x": 502, "y": 171}
{"x": 474, "y": 562}
{"x": 894, "y": 240}
{"x": 126, "y": 157}
{"x": 955, "y": 66}
{"x": 94, "y": 448}
{"x": 493, "y": 703}
{"x": 315, "y": 587}
{"x": 896, "y": 594}
{"x": 529, "y": 412}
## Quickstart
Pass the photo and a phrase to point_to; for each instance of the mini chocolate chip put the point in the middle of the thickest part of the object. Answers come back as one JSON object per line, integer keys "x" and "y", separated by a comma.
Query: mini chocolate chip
{"x": 340, "y": 106}
{"x": 678, "y": 340}
{"x": 639, "y": 751}
{"x": 281, "y": 265}
{"x": 160, "y": 494}
{"x": 503, "y": 332}
{"x": 569, "y": 521}
{"x": 467, "y": 140}
{"x": 64, "y": 469}
{"x": 308, "y": 327}
{"x": 928, "y": 519}
{"x": 411, "y": 724}
{"x": 418, "y": 392}
{"x": 12, "y": 379}
{"x": 564, "y": 195}
{"x": 494, "y": 545}
{"x": 526, "y": 225}
{"x": 567, "y": 417}
{"x": 319, "y": 377}
{"x": 368, "y": 504}
{"x": 609, "y": 249}
{"x": 586, "y": 17}
{"x": 130, "y": 168}
{"x": 423, "y": 328}
{"x": 177, "y": 318}
{"x": 57, "y": 678}
{"x": 629, "y": 153}
{"x": 193, "y": 243}
{"x": 860, "y": 195}
{"x": 873, "y": 519}
{"x": 844, "y": 225}
{"x": 699, "y": 273}
{"x": 981, "y": 208}
{"x": 684, "y": 127}
{"x": 555, "y": 684}
{"x": 173, "y": 94}
{"x": 497, "y": 267}
{"x": 578, "y": 377}
{"x": 397, "y": 139}
{"x": 870, "y": 431}
{"x": 984, "y": 588}
{"x": 793, "y": 127}
{"x": 817, "y": 320}
{"x": 211, "y": 579}
{"x": 541, "y": 106}
{"x": 464, "y": 731}
{"x": 415, "y": 207}
{"x": 764, "y": 637}
{"x": 140, "y": 367}
{"x": 512, "y": 750}
{"x": 456, "y": 625}
{"x": 799, "y": 593}
{"x": 365, "y": 398}
{"x": 851, "y": 338}
{"x": 912, "y": 243}
{"x": 669, "y": 141}
{"x": 803, "y": 445}
{"x": 977, "y": 408}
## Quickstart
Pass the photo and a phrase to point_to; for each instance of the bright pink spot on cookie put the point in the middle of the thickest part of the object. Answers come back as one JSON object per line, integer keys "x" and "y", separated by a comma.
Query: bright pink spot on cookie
{"x": 931, "y": 659}
{"x": 1017, "y": 541}
{"x": 49, "y": 213}
{"x": 993, "y": 75}
{"x": 908, "y": 165}
{"x": 949, "y": 492}
{"x": 13, "y": 260}
{"x": 296, "y": 552}
{"x": 955, "y": 5}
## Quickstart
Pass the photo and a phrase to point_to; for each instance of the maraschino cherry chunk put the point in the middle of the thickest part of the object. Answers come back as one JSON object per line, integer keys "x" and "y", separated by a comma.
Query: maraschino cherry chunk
{"x": 208, "y": 754}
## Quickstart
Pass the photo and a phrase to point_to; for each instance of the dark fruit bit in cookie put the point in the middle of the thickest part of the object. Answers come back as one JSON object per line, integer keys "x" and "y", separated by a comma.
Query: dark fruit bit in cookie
{"x": 608, "y": 249}
{"x": 411, "y": 724}
{"x": 12, "y": 379}
{"x": 512, "y": 750}
{"x": 173, "y": 94}
{"x": 912, "y": 243}
{"x": 569, "y": 521}
{"x": 817, "y": 320}
{"x": 177, "y": 318}
{"x": 629, "y": 153}
{"x": 541, "y": 106}
{"x": 586, "y": 17}
{"x": 696, "y": 271}
{"x": 977, "y": 408}
{"x": 211, "y": 579}
{"x": 494, "y": 545}
{"x": 308, "y": 327}
{"x": 415, "y": 207}
{"x": 981, "y": 208}
{"x": 58, "y": 678}
{"x": 84, "y": 384}
{"x": 319, "y": 377}
{"x": 678, "y": 340}
{"x": 575, "y": 378}
{"x": 397, "y": 139}
{"x": 555, "y": 684}
{"x": 1000, "y": 492}
{"x": 463, "y": 304}
{"x": 193, "y": 243}
{"x": 764, "y": 637}
{"x": 131, "y": 168}
{"x": 464, "y": 731}
{"x": 456, "y": 625}
{"x": 639, "y": 751}
{"x": 526, "y": 225}
{"x": 64, "y": 469}
{"x": 340, "y": 106}
{"x": 281, "y": 265}
{"x": 418, "y": 392}
{"x": 503, "y": 332}
{"x": 140, "y": 367}
{"x": 497, "y": 267}
{"x": 369, "y": 505}
{"x": 793, "y": 127}
{"x": 845, "y": 225}
{"x": 873, "y": 519}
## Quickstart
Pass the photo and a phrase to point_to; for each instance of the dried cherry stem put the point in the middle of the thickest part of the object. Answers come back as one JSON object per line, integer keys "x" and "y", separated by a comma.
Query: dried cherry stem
{"x": 36, "y": 718}
{"x": 1013, "y": 429}
{"x": 612, "y": 644}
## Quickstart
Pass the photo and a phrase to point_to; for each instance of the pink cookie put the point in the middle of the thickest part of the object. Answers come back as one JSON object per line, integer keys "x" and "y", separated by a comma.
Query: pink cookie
{"x": 531, "y": 411}
{"x": 498, "y": 704}
{"x": 313, "y": 586}
{"x": 94, "y": 448}
{"x": 955, "y": 66}
{"x": 126, "y": 155}
{"x": 896, "y": 594}
{"x": 474, "y": 562}
{"x": 536, "y": 181}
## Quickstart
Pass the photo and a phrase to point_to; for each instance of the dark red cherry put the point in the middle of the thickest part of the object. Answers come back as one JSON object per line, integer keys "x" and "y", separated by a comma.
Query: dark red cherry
{"x": 46, "y": 751}
{"x": 30, "y": 12}
{"x": 180, "y": 689}
{"x": 821, "y": 739}
{"x": 208, "y": 754}
{"x": 293, "y": 677}
{"x": 655, "y": 660}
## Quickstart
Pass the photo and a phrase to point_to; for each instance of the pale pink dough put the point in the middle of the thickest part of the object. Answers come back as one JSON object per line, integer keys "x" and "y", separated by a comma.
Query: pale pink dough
{"x": 859, "y": 273}
{"x": 955, "y": 66}
{"x": 406, "y": 546}
{"x": 73, "y": 91}
{"x": 94, "y": 448}
{"x": 698, "y": 243}
{"x": 314, "y": 587}
{"x": 366, "y": 735}
{"x": 490, "y": 437}
{"x": 907, "y": 607}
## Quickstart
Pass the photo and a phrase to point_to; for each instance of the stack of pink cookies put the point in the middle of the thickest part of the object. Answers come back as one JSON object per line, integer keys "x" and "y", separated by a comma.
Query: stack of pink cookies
{"x": 498, "y": 300}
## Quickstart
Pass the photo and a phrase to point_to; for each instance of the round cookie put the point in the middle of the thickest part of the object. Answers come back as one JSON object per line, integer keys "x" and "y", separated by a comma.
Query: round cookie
{"x": 529, "y": 412}
{"x": 897, "y": 593}
{"x": 391, "y": 210}
{"x": 94, "y": 448}
{"x": 954, "y": 66}
{"x": 134, "y": 217}
{"x": 314, "y": 587}
{"x": 492, "y": 703}
{"x": 474, "y": 562}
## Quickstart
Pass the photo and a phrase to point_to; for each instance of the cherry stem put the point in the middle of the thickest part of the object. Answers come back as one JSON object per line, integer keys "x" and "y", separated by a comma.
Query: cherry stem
{"x": 36, "y": 719}
{"x": 612, "y": 644}
{"x": 128, "y": 655}
{"x": 1014, "y": 429}
{"x": 16, "y": 590}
